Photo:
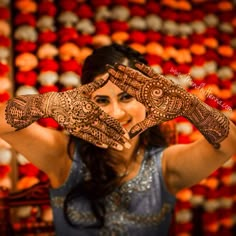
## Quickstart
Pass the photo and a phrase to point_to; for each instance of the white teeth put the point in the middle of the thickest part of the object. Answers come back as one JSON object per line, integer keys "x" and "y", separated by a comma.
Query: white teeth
{"x": 125, "y": 123}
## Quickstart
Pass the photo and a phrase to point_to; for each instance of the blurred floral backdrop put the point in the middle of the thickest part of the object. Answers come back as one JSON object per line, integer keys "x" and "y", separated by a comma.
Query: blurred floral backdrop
{"x": 193, "y": 42}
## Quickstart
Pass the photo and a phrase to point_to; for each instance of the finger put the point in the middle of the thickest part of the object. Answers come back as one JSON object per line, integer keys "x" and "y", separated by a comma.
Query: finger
{"x": 101, "y": 139}
{"x": 147, "y": 70}
{"x": 113, "y": 129}
{"x": 91, "y": 139}
{"x": 125, "y": 83}
{"x": 132, "y": 73}
{"x": 89, "y": 88}
{"x": 142, "y": 126}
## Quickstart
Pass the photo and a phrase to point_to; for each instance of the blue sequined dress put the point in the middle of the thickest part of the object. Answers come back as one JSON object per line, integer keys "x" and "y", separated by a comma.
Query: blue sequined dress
{"x": 139, "y": 207}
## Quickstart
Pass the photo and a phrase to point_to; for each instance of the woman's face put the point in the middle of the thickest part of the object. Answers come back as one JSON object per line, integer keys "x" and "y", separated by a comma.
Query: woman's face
{"x": 119, "y": 105}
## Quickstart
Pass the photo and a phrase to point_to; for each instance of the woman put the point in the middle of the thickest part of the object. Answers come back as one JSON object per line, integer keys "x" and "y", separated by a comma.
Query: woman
{"x": 103, "y": 182}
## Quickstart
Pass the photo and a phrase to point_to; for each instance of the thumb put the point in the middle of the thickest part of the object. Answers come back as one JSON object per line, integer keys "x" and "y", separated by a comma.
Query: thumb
{"x": 142, "y": 126}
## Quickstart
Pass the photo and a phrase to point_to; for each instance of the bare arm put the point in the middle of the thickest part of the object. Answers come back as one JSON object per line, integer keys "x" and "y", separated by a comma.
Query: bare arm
{"x": 73, "y": 110}
{"x": 183, "y": 165}
{"x": 187, "y": 164}
{"x": 41, "y": 146}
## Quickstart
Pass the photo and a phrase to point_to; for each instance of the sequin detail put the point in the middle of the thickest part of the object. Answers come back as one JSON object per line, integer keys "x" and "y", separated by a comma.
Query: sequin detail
{"x": 118, "y": 216}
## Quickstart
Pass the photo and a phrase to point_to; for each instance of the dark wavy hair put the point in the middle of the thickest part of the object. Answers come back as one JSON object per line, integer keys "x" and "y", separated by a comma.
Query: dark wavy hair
{"x": 103, "y": 177}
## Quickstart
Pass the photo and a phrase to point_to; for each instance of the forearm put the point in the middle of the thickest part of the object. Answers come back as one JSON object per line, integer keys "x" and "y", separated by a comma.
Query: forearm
{"x": 22, "y": 111}
{"x": 213, "y": 124}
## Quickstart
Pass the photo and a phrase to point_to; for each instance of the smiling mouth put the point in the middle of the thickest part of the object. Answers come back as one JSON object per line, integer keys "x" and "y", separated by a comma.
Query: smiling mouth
{"x": 125, "y": 123}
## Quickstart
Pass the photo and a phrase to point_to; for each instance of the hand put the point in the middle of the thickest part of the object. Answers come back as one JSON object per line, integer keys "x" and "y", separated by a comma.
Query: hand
{"x": 81, "y": 117}
{"x": 163, "y": 99}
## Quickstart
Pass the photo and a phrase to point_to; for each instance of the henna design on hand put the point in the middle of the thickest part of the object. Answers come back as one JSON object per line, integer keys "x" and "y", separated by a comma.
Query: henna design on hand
{"x": 73, "y": 110}
{"x": 165, "y": 100}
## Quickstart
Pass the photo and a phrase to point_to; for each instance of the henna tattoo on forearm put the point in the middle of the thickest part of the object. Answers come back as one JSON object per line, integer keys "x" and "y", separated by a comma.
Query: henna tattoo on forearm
{"x": 213, "y": 124}
{"x": 165, "y": 100}
{"x": 74, "y": 111}
{"x": 23, "y": 110}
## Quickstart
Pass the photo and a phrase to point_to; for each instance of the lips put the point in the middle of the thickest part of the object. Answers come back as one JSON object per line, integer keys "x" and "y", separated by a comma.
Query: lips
{"x": 125, "y": 123}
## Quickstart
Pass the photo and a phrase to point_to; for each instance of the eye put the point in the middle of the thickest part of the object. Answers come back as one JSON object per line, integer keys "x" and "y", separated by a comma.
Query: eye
{"x": 102, "y": 101}
{"x": 125, "y": 97}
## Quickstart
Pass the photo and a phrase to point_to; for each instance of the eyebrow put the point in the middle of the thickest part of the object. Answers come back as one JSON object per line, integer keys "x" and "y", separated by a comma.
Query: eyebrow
{"x": 105, "y": 96}
{"x": 101, "y": 96}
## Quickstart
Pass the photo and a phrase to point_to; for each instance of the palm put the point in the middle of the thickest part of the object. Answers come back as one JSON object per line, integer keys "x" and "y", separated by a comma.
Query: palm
{"x": 84, "y": 119}
{"x": 163, "y": 99}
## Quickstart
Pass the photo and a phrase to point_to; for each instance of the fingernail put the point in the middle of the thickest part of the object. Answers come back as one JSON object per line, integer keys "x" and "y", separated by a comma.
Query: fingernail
{"x": 127, "y": 145}
{"x": 109, "y": 66}
{"x": 119, "y": 147}
{"x": 105, "y": 76}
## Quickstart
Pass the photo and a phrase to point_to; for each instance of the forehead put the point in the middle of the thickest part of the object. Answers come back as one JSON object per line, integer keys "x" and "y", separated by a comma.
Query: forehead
{"x": 108, "y": 89}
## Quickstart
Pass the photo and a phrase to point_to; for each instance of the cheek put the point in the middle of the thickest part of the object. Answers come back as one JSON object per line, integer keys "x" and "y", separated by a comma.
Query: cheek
{"x": 138, "y": 111}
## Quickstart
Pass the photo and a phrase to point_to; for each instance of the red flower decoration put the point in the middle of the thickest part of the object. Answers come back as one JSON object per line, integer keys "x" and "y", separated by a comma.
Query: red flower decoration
{"x": 67, "y": 34}
{"x": 137, "y": 10}
{"x": 48, "y": 122}
{"x": 198, "y": 60}
{"x": 25, "y": 46}
{"x": 43, "y": 177}
{"x": 169, "y": 40}
{"x": 70, "y": 65}
{"x": 137, "y": 36}
{"x": 68, "y": 5}
{"x": 227, "y": 17}
{"x": 28, "y": 170}
{"x": 210, "y": 7}
{"x": 212, "y": 79}
{"x": 47, "y": 8}
{"x": 26, "y": 77}
{"x": 121, "y": 2}
{"x": 153, "y": 59}
{"x": 84, "y": 40}
{"x": 5, "y": 41}
{"x": 84, "y": 11}
{"x": 169, "y": 68}
{"x": 185, "y": 17}
{"x": 4, "y": 69}
{"x": 225, "y": 38}
{"x": 153, "y": 36}
{"x": 119, "y": 26}
{"x": 102, "y": 27}
{"x": 47, "y": 37}
{"x": 211, "y": 55}
{"x": 224, "y": 61}
{"x": 197, "y": 38}
{"x": 183, "y": 138}
{"x": 212, "y": 32}
{"x": 183, "y": 69}
{"x": 153, "y": 7}
{"x": 169, "y": 14}
{"x": 4, "y": 170}
{"x": 182, "y": 42}
{"x": 4, "y": 97}
{"x": 48, "y": 64}
{"x": 98, "y": 3}
{"x": 4, "y": 13}
{"x": 225, "y": 84}
{"x": 197, "y": 14}
{"x": 24, "y": 18}
{"x": 49, "y": 88}
{"x": 212, "y": 102}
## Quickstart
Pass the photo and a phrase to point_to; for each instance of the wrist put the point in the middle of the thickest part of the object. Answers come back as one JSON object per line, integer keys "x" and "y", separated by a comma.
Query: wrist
{"x": 213, "y": 124}
{"x": 23, "y": 110}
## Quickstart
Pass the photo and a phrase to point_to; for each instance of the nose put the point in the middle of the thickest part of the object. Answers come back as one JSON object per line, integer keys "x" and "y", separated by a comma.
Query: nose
{"x": 117, "y": 111}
